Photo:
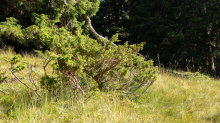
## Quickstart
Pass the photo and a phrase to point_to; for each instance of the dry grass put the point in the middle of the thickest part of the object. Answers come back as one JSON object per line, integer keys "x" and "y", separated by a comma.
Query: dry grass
{"x": 170, "y": 99}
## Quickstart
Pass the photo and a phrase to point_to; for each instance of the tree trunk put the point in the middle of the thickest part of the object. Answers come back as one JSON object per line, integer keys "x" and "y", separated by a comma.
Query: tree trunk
{"x": 212, "y": 62}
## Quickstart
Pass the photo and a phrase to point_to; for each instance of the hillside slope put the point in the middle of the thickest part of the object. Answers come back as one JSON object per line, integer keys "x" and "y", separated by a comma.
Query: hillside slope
{"x": 171, "y": 99}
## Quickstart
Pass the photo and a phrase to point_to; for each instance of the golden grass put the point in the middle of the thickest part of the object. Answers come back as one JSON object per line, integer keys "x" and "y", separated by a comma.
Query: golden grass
{"x": 170, "y": 100}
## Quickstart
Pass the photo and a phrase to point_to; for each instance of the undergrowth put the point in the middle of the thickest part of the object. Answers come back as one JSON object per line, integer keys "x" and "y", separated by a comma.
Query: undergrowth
{"x": 172, "y": 98}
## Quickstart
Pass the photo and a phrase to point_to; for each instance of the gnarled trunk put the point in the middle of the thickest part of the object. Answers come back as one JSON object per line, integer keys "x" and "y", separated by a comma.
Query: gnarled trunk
{"x": 93, "y": 32}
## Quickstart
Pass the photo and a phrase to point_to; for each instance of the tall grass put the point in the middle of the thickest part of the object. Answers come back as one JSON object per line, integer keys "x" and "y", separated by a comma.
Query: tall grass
{"x": 171, "y": 99}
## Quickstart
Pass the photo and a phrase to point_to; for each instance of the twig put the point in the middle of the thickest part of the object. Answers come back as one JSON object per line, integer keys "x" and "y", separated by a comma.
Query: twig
{"x": 89, "y": 96}
{"x": 35, "y": 91}
{"x": 20, "y": 80}
{"x": 32, "y": 81}
{"x": 45, "y": 65}
{"x": 180, "y": 32}
{"x": 10, "y": 86}
{"x": 3, "y": 91}
{"x": 76, "y": 84}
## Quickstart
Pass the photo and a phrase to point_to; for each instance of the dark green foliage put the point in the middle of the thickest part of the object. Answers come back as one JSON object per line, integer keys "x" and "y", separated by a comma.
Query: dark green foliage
{"x": 29, "y": 13}
{"x": 52, "y": 84}
{"x": 117, "y": 68}
{"x": 74, "y": 56}
{"x": 195, "y": 75}
{"x": 2, "y": 76}
{"x": 16, "y": 64}
{"x": 178, "y": 32}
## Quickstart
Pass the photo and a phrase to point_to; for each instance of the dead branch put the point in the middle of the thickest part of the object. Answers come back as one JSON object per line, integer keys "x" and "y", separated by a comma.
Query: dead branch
{"x": 93, "y": 32}
{"x": 3, "y": 91}
{"x": 77, "y": 86}
{"x": 10, "y": 86}
{"x": 35, "y": 90}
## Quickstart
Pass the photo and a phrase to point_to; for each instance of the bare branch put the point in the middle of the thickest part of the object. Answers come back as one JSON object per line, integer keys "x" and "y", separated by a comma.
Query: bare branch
{"x": 73, "y": 79}
{"x": 10, "y": 86}
{"x": 35, "y": 91}
{"x": 3, "y": 91}
{"x": 180, "y": 32}
{"x": 93, "y": 32}
{"x": 64, "y": 1}
{"x": 45, "y": 64}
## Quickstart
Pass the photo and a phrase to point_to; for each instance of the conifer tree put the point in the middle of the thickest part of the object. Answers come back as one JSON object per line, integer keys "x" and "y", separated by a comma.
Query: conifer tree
{"x": 61, "y": 28}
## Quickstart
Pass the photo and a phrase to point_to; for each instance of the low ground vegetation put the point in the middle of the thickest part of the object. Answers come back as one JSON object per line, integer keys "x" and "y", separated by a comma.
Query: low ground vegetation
{"x": 172, "y": 98}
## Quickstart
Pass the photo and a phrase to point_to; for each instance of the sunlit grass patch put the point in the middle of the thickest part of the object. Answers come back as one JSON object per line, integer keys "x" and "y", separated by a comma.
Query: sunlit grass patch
{"x": 171, "y": 99}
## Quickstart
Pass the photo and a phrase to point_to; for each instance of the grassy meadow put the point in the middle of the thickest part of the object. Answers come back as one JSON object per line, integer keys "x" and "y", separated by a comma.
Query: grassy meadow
{"x": 171, "y": 99}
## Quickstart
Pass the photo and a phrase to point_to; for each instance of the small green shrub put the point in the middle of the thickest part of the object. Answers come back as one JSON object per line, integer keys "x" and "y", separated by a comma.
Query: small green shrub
{"x": 77, "y": 58}
{"x": 115, "y": 68}
{"x": 195, "y": 75}
{"x": 51, "y": 84}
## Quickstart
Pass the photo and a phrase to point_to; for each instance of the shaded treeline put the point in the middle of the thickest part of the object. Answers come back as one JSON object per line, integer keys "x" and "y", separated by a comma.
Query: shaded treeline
{"x": 179, "y": 34}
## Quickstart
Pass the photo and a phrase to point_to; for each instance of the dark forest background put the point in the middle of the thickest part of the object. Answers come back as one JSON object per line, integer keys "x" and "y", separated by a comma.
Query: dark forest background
{"x": 178, "y": 34}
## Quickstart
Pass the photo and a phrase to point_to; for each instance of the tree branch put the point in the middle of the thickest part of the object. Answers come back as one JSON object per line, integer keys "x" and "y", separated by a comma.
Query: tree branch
{"x": 93, "y": 32}
{"x": 3, "y": 91}
{"x": 180, "y": 32}
{"x": 35, "y": 90}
